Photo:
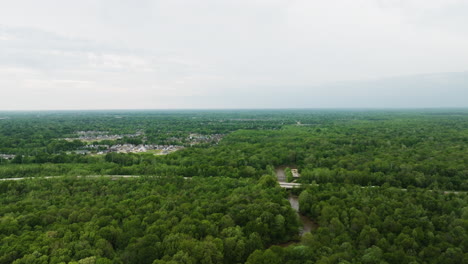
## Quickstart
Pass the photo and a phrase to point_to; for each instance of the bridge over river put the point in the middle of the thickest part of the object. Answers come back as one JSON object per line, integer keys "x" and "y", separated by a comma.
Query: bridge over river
{"x": 307, "y": 224}
{"x": 289, "y": 185}
{"x": 281, "y": 176}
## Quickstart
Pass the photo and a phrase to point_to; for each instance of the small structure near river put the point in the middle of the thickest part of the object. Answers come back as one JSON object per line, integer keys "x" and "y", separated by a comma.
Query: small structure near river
{"x": 295, "y": 173}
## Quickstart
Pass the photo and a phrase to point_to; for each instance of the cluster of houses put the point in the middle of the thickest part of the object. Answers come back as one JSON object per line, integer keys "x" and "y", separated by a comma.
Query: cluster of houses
{"x": 198, "y": 138}
{"x": 127, "y": 148}
{"x": 130, "y": 148}
{"x": 101, "y": 135}
{"x": 7, "y": 156}
{"x": 94, "y": 136}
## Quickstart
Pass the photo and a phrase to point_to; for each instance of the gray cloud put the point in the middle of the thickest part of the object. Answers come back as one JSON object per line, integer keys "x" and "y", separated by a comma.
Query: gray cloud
{"x": 246, "y": 53}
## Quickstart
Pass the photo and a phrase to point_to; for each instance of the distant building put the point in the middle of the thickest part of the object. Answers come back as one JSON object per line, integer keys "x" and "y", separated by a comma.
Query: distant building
{"x": 7, "y": 156}
{"x": 295, "y": 173}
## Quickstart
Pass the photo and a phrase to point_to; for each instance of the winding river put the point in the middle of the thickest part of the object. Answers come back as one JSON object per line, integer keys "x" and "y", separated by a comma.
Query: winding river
{"x": 307, "y": 224}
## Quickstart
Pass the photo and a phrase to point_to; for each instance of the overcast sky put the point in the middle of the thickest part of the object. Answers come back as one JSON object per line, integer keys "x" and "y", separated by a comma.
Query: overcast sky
{"x": 127, "y": 54}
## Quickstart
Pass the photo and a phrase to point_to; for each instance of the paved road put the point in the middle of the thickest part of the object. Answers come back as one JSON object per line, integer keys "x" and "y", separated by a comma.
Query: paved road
{"x": 86, "y": 176}
{"x": 289, "y": 185}
{"x": 279, "y": 173}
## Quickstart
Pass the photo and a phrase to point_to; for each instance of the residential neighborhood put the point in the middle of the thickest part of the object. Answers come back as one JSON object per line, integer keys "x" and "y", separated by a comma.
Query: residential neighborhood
{"x": 7, "y": 156}
{"x": 128, "y": 148}
{"x": 90, "y": 136}
{"x": 177, "y": 143}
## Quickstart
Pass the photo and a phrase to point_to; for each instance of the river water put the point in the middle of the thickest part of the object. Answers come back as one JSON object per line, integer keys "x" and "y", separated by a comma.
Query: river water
{"x": 307, "y": 224}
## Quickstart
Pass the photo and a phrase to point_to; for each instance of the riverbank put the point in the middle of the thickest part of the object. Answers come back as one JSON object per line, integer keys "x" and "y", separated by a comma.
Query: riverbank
{"x": 307, "y": 224}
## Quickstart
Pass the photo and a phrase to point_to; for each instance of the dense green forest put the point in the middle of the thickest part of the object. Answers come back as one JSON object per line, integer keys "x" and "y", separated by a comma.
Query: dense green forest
{"x": 382, "y": 186}
{"x": 378, "y": 225}
{"x": 402, "y": 149}
{"x": 201, "y": 220}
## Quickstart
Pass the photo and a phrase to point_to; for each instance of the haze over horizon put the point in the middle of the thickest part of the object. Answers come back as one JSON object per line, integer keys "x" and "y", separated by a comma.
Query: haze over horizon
{"x": 154, "y": 54}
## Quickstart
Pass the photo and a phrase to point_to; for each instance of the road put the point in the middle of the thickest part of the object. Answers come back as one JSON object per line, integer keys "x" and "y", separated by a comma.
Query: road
{"x": 79, "y": 176}
{"x": 279, "y": 173}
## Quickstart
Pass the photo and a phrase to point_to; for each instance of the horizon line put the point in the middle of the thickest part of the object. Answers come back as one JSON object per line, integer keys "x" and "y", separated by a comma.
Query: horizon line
{"x": 242, "y": 108}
